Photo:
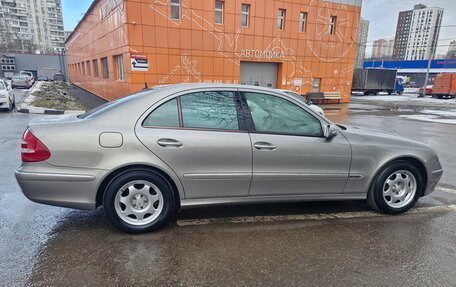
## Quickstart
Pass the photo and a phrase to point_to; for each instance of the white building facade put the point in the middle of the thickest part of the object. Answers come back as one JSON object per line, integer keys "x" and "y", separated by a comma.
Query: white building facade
{"x": 417, "y": 33}
{"x": 362, "y": 40}
{"x": 37, "y": 22}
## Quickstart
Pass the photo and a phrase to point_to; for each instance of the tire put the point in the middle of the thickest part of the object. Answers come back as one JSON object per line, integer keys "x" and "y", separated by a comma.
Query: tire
{"x": 10, "y": 106}
{"x": 136, "y": 194}
{"x": 390, "y": 92}
{"x": 388, "y": 192}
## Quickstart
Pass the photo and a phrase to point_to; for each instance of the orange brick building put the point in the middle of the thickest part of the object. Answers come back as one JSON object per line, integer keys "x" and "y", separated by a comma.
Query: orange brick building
{"x": 122, "y": 46}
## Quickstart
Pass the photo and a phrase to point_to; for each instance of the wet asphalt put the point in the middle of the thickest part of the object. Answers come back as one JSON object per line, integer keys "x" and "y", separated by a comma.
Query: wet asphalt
{"x": 293, "y": 244}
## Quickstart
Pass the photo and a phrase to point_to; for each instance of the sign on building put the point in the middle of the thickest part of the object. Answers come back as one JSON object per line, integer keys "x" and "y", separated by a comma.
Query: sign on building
{"x": 139, "y": 62}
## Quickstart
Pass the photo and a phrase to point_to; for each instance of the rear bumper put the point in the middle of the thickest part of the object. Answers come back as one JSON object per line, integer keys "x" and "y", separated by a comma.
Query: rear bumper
{"x": 73, "y": 190}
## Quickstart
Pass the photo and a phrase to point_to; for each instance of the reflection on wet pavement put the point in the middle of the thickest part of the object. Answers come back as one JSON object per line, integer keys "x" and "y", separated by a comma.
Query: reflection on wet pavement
{"x": 85, "y": 250}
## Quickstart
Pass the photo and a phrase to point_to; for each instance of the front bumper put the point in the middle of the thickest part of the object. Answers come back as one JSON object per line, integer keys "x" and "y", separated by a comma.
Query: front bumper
{"x": 3, "y": 102}
{"x": 434, "y": 174}
{"x": 77, "y": 189}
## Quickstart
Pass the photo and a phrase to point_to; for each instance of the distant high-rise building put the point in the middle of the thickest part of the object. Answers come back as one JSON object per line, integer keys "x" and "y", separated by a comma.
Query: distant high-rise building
{"x": 417, "y": 33}
{"x": 451, "y": 54}
{"x": 382, "y": 49}
{"x": 31, "y": 25}
{"x": 362, "y": 40}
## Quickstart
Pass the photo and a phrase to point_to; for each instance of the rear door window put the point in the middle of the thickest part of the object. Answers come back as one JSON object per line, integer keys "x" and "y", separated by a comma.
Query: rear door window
{"x": 210, "y": 110}
{"x": 166, "y": 115}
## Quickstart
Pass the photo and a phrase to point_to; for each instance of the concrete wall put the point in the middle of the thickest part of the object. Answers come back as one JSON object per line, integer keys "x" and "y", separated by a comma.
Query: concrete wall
{"x": 31, "y": 62}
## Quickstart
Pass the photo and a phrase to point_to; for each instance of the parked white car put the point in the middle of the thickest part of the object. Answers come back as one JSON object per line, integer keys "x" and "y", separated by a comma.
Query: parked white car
{"x": 314, "y": 107}
{"x": 7, "y": 100}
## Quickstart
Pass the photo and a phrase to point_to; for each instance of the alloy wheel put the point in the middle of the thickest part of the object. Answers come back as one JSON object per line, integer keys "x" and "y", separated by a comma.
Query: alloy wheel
{"x": 399, "y": 188}
{"x": 139, "y": 202}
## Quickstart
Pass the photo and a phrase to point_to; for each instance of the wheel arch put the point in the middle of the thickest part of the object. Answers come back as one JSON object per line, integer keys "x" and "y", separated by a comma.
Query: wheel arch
{"x": 124, "y": 169}
{"x": 411, "y": 159}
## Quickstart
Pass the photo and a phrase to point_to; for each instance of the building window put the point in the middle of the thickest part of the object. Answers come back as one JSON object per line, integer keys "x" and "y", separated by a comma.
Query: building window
{"x": 332, "y": 25}
{"x": 104, "y": 63}
{"x": 219, "y": 12}
{"x": 302, "y": 21}
{"x": 281, "y": 19}
{"x": 89, "y": 70}
{"x": 83, "y": 69}
{"x": 96, "y": 73}
{"x": 119, "y": 67}
{"x": 245, "y": 15}
{"x": 175, "y": 9}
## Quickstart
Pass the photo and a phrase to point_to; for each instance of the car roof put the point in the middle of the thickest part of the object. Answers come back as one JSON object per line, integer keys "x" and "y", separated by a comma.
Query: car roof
{"x": 175, "y": 88}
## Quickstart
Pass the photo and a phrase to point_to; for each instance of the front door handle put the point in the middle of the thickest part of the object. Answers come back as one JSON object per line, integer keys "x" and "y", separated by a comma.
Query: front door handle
{"x": 169, "y": 142}
{"x": 264, "y": 145}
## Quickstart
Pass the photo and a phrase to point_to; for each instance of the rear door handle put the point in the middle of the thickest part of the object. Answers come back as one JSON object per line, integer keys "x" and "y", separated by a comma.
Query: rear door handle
{"x": 169, "y": 142}
{"x": 264, "y": 145}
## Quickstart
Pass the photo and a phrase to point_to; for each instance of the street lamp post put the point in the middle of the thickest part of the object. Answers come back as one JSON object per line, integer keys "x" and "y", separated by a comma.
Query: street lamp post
{"x": 423, "y": 92}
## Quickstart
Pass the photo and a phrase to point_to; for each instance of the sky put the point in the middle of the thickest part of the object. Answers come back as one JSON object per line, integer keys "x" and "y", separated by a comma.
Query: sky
{"x": 382, "y": 15}
{"x": 73, "y": 11}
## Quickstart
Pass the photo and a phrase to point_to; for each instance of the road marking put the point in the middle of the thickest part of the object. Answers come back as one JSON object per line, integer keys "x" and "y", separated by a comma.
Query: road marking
{"x": 446, "y": 189}
{"x": 306, "y": 217}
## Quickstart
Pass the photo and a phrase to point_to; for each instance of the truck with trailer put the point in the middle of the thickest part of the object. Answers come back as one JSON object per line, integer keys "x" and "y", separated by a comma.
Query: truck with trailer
{"x": 444, "y": 86}
{"x": 372, "y": 81}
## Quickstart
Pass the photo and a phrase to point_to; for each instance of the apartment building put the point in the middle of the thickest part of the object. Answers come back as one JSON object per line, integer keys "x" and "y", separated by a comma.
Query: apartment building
{"x": 27, "y": 25}
{"x": 362, "y": 41}
{"x": 417, "y": 33}
{"x": 382, "y": 49}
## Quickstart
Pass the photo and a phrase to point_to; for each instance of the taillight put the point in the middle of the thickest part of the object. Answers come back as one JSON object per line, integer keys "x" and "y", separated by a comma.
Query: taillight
{"x": 33, "y": 149}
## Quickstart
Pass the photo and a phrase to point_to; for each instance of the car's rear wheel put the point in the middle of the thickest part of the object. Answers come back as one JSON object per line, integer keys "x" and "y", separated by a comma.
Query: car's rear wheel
{"x": 396, "y": 188}
{"x": 139, "y": 201}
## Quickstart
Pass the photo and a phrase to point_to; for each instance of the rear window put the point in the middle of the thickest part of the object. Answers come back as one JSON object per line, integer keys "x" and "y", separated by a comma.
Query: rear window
{"x": 109, "y": 106}
{"x": 19, "y": 78}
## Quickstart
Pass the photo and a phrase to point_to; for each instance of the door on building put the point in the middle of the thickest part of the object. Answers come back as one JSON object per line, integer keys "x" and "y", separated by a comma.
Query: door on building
{"x": 316, "y": 85}
{"x": 259, "y": 74}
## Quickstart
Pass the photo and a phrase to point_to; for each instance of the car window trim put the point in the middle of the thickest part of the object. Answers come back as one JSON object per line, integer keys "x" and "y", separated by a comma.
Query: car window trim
{"x": 252, "y": 128}
{"x": 237, "y": 102}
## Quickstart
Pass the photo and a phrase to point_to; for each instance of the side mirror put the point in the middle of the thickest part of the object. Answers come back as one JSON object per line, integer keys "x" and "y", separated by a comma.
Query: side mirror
{"x": 331, "y": 131}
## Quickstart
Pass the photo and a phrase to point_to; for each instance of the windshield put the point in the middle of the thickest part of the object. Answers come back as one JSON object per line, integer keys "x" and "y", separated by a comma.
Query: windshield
{"x": 299, "y": 97}
{"x": 2, "y": 86}
{"x": 18, "y": 78}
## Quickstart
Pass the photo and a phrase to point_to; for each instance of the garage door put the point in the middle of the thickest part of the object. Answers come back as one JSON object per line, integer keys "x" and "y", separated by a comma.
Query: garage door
{"x": 259, "y": 74}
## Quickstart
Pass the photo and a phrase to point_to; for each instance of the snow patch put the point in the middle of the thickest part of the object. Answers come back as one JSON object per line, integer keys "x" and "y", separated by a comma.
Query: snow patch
{"x": 430, "y": 118}
{"x": 448, "y": 113}
{"x": 403, "y": 98}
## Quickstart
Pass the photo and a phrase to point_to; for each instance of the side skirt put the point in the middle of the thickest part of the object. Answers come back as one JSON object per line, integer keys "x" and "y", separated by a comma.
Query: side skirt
{"x": 187, "y": 203}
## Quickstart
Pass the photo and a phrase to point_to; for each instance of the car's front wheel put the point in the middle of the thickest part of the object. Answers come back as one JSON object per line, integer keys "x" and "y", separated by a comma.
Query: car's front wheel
{"x": 139, "y": 201}
{"x": 396, "y": 188}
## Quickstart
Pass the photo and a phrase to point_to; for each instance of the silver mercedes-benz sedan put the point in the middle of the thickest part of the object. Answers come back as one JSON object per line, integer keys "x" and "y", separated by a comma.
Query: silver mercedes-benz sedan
{"x": 145, "y": 156}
